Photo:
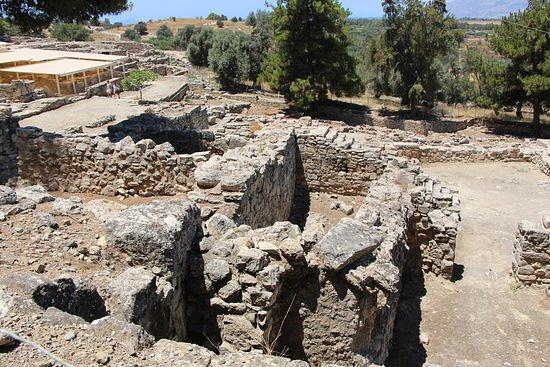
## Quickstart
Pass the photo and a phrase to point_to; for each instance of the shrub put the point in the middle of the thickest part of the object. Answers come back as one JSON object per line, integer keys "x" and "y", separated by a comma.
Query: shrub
{"x": 131, "y": 34}
{"x": 219, "y": 23}
{"x": 199, "y": 47}
{"x": 251, "y": 19}
{"x": 162, "y": 43}
{"x": 229, "y": 57}
{"x": 67, "y": 32}
{"x": 5, "y": 28}
{"x": 141, "y": 28}
{"x": 234, "y": 19}
{"x": 181, "y": 40}
{"x": 165, "y": 32}
{"x": 118, "y": 25}
{"x": 135, "y": 80}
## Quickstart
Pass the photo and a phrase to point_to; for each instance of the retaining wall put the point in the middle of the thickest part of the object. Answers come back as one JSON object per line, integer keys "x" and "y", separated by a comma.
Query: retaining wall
{"x": 82, "y": 163}
{"x": 531, "y": 254}
{"x": 8, "y": 147}
{"x": 333, "y": 162}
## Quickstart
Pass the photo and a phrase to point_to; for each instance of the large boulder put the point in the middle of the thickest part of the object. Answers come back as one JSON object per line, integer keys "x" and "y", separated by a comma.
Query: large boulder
{"x": 37, "y": 194}
{"x": 348, "y": 241}
{"x": 7, "y": 196}
{"x": 157, "y": 234}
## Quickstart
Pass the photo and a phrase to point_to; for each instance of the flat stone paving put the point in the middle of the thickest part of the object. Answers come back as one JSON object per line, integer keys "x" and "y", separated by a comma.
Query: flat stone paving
{"x": 484, "y": 317}
{"x": 84, "y": 112}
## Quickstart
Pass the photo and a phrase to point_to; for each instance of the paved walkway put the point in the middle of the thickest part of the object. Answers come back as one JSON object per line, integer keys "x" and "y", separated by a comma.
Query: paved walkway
{"x": 483, "y": 316}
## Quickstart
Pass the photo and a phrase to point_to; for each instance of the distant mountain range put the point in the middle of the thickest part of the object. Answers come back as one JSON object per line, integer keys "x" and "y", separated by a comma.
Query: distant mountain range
{"x": 484, "y": 8}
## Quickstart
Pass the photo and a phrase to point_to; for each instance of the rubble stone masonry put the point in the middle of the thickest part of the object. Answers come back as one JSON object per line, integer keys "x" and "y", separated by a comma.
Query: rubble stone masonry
{"x": 8, "y": 148}
{"x": 531, "y": 254}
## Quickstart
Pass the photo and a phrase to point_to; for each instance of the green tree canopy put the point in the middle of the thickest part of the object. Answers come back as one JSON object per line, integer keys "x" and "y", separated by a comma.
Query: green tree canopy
{"x": 131, "y": 35}
{"x": 136, "y": 80}
{"x": 183, "y": 36}
{"x": 67, "y": 32}
{"x": 310, "y": 57}
{"x": 416, "y": 34}
{"x": 199, "y": 46}
{"x": 164, "y": 32}
{"x": 141, "y": 28}
{"x": 33, "y": 15}
{"x": 523, "y": 38}
{"x": 229, "y": 57}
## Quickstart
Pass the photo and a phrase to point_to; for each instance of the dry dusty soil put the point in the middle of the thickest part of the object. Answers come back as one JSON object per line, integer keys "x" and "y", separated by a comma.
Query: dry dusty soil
{"x": 482, "y": 315}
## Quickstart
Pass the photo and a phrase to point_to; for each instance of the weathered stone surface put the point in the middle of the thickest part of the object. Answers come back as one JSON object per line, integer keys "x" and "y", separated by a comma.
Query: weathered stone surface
{"x": 159, "y": 233}
{"x": 54, "y": 316}
{"x": 217, "y": 270}
{"x": 72, "y": 205}
{"x": 531, "y": 254}
{"x": 36, "y": 194}
{"x": 252, "y": 260}
{"x": 132, "y": 336}
{"x": 7, "y": 195}
{"x": 103, "y": 209}
{"x": 167, "y": 353}
{"x": 133, "y": 295}
{"x": 218, "y": 224}
{"x": 348, "y": 241}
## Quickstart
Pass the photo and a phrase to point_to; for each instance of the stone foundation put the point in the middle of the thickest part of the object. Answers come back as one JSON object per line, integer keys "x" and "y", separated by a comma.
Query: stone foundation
{"x": 531, "y": 254}
{"x": 82, "y": 163}
{"x": 8, "y": 147}
{"x": 18, "y": 90}
{"x": 333, "y": 162}
{"x": 433, "y": 227}
{"x": 253, "y": 184}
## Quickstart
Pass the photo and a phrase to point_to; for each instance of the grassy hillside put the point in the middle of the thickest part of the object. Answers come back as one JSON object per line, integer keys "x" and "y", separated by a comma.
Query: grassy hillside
{"x": 153, "y": 26}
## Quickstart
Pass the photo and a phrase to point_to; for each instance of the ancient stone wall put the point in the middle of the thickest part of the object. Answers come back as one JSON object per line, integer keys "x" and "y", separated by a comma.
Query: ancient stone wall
{"x": 531, "y": 254}
{"x": 82, "y": 163}
{"x": 18, "y": 90}
{"x": 433, "y": 153}
{"x": 8, "y": 147}
{"x": 542, "y": 161}
{"x": 253, "y": 184}
{"x": 333, "y": 162}
{"x": 356, "y": 290}
{"x": 433, "y": 227}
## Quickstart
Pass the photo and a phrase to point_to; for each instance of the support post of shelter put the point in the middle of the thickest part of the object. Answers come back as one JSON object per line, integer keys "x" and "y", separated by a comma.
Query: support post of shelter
{"x": 74, "y": 84}
{"x": 112, "y": 73}
{"x": 124, "y": 69}
{"x": 98, "y": 76}
{"x": 58, "y": 85}
{"x": 85, "y": 81}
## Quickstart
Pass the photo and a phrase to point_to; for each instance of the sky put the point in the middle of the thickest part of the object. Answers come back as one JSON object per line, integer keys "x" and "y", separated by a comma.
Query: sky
{"x": 161, "y": 9}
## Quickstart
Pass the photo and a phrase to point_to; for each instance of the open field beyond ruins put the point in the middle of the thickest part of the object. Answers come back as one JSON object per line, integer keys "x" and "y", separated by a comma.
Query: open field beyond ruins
{"x": 201, "y": 228}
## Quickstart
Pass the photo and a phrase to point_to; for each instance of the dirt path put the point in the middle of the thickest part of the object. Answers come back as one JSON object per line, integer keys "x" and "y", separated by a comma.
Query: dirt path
{"x": 482, "y": 316}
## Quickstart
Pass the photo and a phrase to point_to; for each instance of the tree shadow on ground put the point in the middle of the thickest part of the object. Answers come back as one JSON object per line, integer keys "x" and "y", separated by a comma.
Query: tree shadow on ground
{"x": 407, "y": 350}
{"x": 458, "y": 273}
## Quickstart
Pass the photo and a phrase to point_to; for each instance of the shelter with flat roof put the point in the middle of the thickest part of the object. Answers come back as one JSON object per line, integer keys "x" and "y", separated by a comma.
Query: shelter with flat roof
{"x": 58, "y": 70}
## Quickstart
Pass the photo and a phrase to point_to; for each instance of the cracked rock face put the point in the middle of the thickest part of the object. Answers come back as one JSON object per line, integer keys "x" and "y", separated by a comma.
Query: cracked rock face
{"x": 348, "y": 241}
{"x": 159, "y": 233}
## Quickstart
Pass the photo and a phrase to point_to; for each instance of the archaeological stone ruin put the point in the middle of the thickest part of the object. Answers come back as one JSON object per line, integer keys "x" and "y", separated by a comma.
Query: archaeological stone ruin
{"x": 191, "y": 235}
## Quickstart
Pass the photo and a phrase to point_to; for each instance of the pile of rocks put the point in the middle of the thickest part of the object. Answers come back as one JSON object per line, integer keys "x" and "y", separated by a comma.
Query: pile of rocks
{"x": 531, "y": 256}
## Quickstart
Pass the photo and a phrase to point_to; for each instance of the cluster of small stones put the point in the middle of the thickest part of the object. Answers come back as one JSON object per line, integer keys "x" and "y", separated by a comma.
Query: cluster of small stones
{"x": 8, "y": 147}
{"x": 531, "y": 254}
{"x": 434, "y": 225}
